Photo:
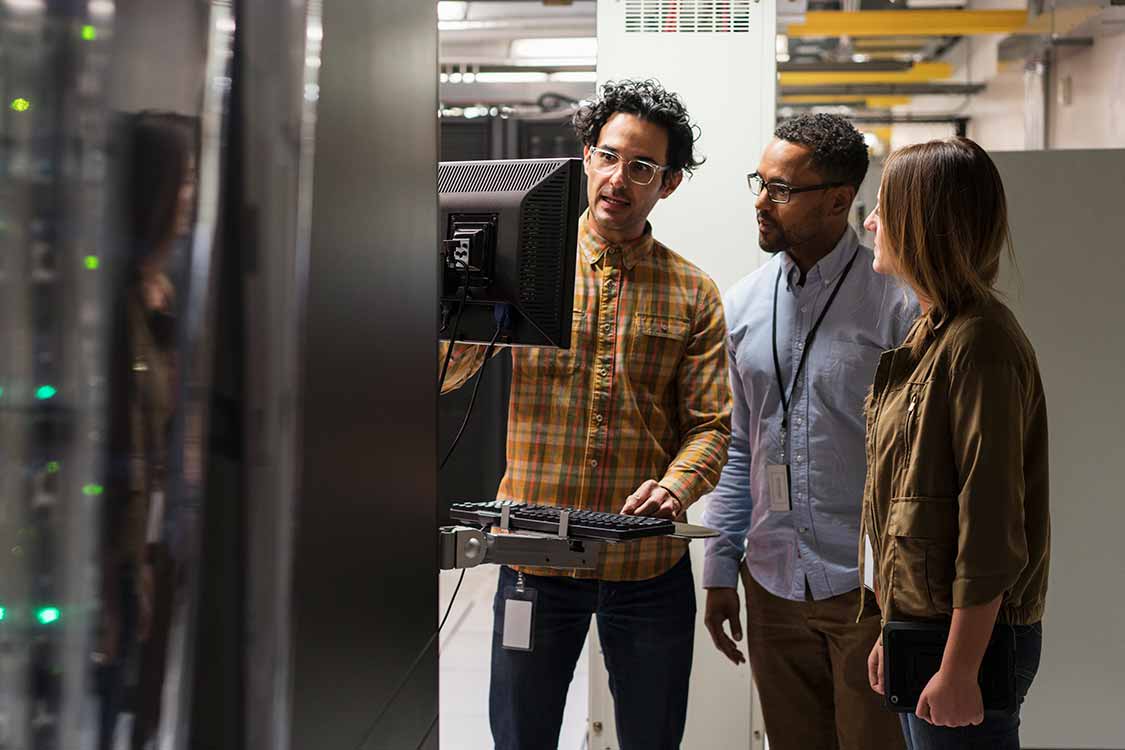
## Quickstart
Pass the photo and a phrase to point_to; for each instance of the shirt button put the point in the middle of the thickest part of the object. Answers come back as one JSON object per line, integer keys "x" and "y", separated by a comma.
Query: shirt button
{"x": 664, "y": 327}
{"x": 805, "y": 308}
{"x": 594, "y": 463}
{"x": 800, "y": 344}
{"x": 800, "y": 457}
{"x": 605, "y": 328}
{"x": 598, "y": 418}
{"x": 804, "y": 530}
{"x": 603, "y": 371}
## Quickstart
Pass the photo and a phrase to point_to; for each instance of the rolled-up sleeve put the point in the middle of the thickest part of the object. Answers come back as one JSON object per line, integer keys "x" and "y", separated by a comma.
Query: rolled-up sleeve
{"x": 466, "y": 360}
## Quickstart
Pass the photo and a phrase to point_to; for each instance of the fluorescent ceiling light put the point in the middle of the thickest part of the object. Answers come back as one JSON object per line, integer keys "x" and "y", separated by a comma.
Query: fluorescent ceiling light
{"x": 564, "y": 48}
{"x": 782, "y": 45}
{"x": 575, "y": 76}
{"x": 100, "y": 8}
{"x": 26, "y": 6}
{"x": 505, "y": 77}
{"x": 452, "y": 10}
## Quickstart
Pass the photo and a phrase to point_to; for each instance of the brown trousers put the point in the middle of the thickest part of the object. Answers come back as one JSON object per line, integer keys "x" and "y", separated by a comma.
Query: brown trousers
{"x": 809, "y": 661}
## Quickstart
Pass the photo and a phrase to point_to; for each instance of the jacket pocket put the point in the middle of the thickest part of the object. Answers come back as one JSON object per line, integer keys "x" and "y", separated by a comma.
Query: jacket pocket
{"x": 924, "y": 534}
{"x": 913, "y": 396}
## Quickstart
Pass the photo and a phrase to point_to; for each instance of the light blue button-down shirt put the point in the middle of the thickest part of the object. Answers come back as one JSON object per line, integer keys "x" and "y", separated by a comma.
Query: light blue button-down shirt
{"x": 817, "y": 540}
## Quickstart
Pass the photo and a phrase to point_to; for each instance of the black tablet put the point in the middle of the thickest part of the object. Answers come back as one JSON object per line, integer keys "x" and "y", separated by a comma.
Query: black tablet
{"x": 912, "y": 653}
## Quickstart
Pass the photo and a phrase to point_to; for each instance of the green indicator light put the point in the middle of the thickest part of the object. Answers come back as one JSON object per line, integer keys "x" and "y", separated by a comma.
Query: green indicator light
{"x": 92, "y": 489}
{"x": 89, "y": 33}
{"x": 52, "y": 467}
{"x": 45, "y": 392}
{"x": 3, "y": 612}
{"x": 47, "y": 615}
{"x": 21, "y": 104}
{"x": 1, "y": 391}
{"x": 92, "y": 262}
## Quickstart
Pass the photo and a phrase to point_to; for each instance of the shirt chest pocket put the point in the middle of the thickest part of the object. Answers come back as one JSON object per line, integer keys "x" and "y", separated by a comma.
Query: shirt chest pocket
{"x": 848, "y": 374}
{"x": 923, "y": 533}
{"x": 655, "y": 345}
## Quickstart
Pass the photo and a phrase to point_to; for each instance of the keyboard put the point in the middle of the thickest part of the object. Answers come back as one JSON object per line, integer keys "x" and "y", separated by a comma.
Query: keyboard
{"x": 582, "y": 524}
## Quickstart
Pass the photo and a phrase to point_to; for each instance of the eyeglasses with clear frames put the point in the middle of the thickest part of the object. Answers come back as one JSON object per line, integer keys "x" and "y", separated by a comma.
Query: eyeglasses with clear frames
{"x": 779, "y": 192}
{"x": 639, "y": 171}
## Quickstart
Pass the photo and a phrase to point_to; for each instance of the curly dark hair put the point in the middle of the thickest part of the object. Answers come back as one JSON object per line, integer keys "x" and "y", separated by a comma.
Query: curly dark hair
{"x": 839, "y": 151}
{"x": 652, "y": 102}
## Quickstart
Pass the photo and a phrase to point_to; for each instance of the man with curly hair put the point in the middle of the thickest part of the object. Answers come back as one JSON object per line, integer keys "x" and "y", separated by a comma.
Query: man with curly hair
{"x": 806, "y": 333}
{"x": 633, "y": 418}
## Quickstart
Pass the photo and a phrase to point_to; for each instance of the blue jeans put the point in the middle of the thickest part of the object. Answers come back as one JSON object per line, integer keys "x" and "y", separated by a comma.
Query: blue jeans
{"x": 999, "y": 730}
{"x": 646, "y": 630}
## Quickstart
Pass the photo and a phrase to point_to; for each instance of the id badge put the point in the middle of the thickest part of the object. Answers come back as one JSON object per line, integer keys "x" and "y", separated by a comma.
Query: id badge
{"x": 519, "y": 618}
{"x": 777, "y": 475}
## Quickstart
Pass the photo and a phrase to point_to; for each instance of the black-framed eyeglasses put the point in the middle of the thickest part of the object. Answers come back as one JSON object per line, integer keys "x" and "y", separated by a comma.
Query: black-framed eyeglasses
{"x": 779, "y": 192}
{"x": 639, "y": 171}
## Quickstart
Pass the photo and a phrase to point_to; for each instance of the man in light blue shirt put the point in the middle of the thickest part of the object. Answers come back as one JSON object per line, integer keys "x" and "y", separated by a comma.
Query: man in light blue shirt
{"x": 805, "y": 334}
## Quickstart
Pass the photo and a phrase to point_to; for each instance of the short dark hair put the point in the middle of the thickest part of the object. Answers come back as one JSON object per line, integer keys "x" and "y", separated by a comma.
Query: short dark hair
{"x": 839, "y": 151}
{"x": 652, "y": 102}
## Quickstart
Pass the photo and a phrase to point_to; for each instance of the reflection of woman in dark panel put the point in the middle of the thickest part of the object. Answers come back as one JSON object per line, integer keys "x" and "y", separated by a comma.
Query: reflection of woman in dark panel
{"x": 153, "y": 203}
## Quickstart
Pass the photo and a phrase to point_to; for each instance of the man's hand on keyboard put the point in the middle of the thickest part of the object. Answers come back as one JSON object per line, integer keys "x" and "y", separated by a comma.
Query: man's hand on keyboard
{"x": 650, "y": 499}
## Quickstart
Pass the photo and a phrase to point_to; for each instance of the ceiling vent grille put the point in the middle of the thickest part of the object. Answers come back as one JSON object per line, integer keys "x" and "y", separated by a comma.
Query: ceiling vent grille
{"x": 687, "y": 16}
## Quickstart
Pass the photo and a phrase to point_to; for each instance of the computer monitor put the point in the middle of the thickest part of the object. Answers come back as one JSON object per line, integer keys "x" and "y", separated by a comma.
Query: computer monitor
{"x": 510, "y": 228}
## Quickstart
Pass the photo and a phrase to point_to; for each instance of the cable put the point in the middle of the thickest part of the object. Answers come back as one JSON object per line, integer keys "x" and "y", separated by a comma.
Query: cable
{"x": 500, "y": 325}
{"x": 410, "y": 671}
{"x": 456, "y": 326}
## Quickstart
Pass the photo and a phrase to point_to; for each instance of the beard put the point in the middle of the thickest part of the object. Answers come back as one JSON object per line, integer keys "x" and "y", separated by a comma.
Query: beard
{"x": 776, "y": 241}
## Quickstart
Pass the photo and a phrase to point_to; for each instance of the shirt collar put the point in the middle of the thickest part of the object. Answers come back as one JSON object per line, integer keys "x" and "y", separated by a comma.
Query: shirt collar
{"x": 594, "y": 247}
{"x": 827, "y": 268}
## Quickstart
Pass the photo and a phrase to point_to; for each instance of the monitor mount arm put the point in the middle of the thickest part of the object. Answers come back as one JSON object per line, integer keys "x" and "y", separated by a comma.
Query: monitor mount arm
{"x": 467, "y": 547}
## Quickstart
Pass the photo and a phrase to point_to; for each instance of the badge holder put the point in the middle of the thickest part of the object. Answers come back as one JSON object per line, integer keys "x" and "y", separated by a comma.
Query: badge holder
{"x": 779, "y": 479}
{"x": 519, "y": 616}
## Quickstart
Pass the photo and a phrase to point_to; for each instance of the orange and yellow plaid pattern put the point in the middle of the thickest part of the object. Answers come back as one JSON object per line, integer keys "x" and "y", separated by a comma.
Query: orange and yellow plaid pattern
{"x": 642, "y": 393}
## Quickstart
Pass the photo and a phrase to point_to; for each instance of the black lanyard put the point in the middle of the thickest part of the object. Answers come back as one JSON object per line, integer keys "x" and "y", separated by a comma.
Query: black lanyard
{"x": 787, "y": 400}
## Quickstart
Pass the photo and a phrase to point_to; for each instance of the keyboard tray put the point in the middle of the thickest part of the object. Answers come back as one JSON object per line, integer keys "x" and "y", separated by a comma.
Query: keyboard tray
{"x": 583, "y": 524}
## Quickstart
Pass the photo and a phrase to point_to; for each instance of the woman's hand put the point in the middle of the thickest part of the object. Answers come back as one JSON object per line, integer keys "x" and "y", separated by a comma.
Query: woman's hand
{"x": 875, "y": 667}
{"x": 951, "y": 699}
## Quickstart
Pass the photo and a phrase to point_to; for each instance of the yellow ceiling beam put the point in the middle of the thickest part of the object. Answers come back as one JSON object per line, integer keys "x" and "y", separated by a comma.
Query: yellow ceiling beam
{"x": 882, "y": 132}
{"x": 890, "y": 42}
{"x": 871, "y": 102}
{"x": 908, "y": 23}
{"x": 918, "y": 73}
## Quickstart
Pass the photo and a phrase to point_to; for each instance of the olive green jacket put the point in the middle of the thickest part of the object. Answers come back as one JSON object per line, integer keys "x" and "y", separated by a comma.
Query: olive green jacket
{"x": 956, "y": 499}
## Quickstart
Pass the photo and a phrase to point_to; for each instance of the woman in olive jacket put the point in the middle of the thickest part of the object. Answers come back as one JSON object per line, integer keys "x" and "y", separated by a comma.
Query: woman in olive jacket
{"x": 956, "y": 500}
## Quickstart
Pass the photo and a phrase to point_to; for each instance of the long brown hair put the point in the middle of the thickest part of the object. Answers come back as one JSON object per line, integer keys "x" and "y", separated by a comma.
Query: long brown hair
{"x": 944, "y": 215}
